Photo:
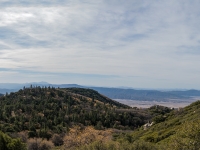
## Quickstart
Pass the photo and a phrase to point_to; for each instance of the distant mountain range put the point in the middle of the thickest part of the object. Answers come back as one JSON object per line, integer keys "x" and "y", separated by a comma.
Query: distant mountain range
{"x": 113, "y": 93}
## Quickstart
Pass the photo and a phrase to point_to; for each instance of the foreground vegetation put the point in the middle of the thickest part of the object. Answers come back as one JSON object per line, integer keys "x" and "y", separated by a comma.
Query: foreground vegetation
{"x": 178, "y": 130}
{"x": 7, "y": 143}
{"x": 46, "y": 118}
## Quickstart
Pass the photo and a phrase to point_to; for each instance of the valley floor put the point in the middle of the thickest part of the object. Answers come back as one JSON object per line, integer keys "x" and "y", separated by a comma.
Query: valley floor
{"x": 171, "y": 103}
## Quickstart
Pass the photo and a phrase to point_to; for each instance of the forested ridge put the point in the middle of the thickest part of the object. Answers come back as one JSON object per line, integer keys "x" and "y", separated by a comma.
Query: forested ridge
{"x": 44, "y": 112}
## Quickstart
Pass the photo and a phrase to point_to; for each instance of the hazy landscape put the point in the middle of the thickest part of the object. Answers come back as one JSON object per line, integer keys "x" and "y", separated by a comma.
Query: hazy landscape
{"x": 99, "y": 75}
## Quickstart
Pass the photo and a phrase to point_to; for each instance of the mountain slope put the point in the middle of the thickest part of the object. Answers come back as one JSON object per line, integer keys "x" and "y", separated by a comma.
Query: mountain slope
{"x": 179, "y": 129}
{"x": 95, "y": 95}
{"x": 46, "y": 111}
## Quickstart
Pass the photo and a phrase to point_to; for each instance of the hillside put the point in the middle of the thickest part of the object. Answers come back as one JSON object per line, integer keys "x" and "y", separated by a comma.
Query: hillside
{"x": 178, "y": 130}
{"x": 45, "y": 111}
{"x": 95, "y": 95}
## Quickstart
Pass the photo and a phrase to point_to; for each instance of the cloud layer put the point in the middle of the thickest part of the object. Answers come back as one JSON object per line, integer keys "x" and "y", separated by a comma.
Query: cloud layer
{"x": 106, "y": 43}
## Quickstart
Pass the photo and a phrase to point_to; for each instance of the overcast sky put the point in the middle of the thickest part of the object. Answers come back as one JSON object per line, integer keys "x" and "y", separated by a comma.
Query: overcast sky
{"x": 134, "y": 43}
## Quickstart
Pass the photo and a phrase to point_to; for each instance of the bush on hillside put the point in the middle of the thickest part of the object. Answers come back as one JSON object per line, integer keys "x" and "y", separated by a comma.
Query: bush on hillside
{"x": 7, "y": 143}
{"x": 39, "y": 144}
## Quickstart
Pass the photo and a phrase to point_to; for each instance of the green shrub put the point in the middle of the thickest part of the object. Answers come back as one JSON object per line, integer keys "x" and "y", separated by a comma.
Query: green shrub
{"x": 7, "y": 143}
{"x": 187, "y": 137}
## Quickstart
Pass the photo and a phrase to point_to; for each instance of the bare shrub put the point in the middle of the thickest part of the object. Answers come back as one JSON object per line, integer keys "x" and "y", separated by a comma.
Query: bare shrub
{"x": 39, "y": 144}
{"x": 46, "y": 145}
{"x": 77, "y": 137}
{"x": 57, "y": 140}
{"x": 23, "y": 136}
{"x": 33, "y": 144}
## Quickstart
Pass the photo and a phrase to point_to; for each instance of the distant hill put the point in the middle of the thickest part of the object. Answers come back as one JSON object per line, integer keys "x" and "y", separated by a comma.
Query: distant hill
{"x": 14, "y": 87}
{"x": 113, "y": 93}
{"x": 150, "y": 95}
{"x": 41, "y": 84}
{"x": 186, "y": 93}
{"x": 1, "y": 94}
{"x": 4, "y": 91}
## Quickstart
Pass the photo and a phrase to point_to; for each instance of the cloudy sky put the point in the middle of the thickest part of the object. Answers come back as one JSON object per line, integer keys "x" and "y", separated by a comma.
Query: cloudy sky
{"x": 133, "y": 43}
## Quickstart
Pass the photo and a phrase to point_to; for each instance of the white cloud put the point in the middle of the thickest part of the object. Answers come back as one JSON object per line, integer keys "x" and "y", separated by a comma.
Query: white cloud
{"x": 3, "y": 73}
{"x": 155, "y": 40}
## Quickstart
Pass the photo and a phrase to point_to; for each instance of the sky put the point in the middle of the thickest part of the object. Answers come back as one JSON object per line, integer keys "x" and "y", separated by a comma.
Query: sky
{"x": 132, "y": 43}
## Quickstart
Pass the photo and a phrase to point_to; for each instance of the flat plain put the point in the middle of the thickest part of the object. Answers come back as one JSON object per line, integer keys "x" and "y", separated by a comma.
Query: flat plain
{"x": 172, "y": 103}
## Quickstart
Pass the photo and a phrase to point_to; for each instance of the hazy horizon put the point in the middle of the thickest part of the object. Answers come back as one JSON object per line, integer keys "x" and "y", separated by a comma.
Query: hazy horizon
{"x": 86, "y": 85}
